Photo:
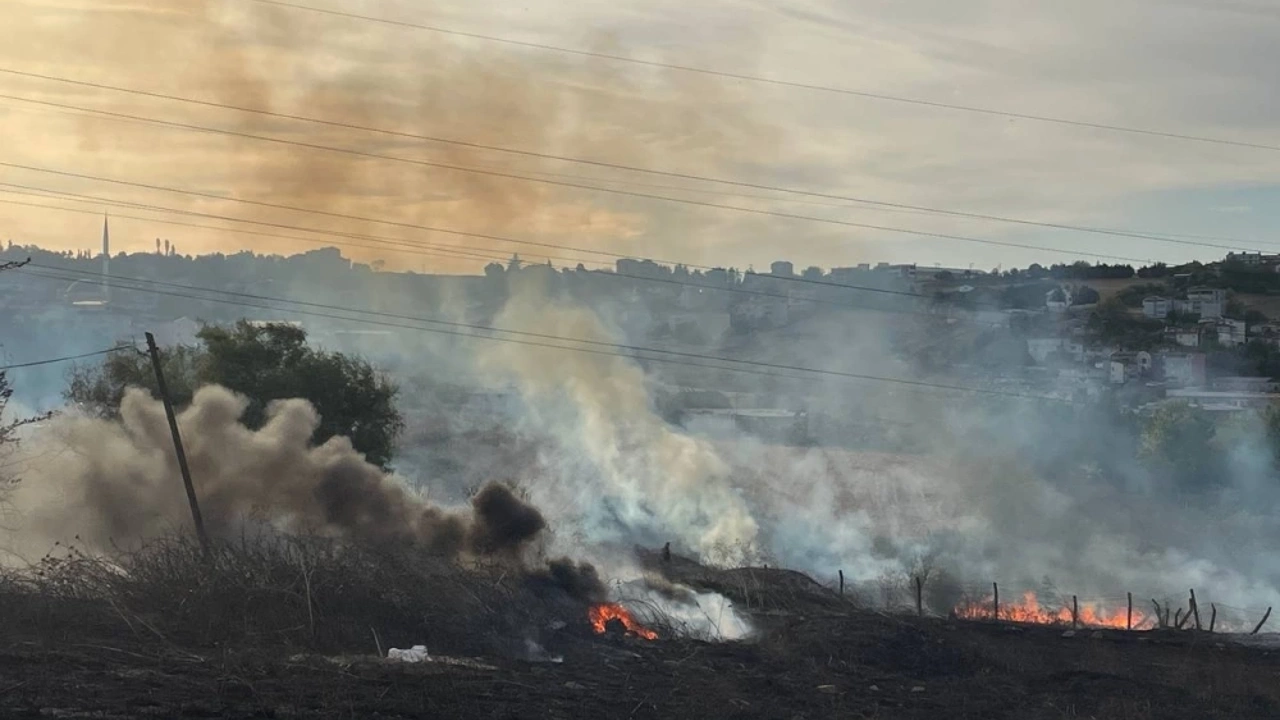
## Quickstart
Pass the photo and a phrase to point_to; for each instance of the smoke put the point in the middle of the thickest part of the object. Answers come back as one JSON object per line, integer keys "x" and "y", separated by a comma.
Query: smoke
{"x": 614, "y": 470}
{"x": 961, "y": 490}
{"x": 352, "y": 73}
{"x": 118, "y": 482}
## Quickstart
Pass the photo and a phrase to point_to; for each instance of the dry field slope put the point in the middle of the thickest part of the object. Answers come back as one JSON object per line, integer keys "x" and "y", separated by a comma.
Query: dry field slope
{"x": 815, "y": 657}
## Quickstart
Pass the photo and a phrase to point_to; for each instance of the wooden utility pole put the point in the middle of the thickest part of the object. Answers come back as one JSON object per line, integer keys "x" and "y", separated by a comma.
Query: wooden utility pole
{"x": 177, "y": 443}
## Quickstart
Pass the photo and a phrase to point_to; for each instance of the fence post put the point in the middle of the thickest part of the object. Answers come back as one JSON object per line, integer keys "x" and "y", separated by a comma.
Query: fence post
{"x": 1213, "y": 615}
{"x": 1128, "y": 620}
{"x": 995, "y": 602}
{"x": 842, "y": 583}
{"x": 919, "y": 597}
{"x": 1261, "y": 622}
{"x": 1075, "y": 612}
{"x": 1195, "y": 608}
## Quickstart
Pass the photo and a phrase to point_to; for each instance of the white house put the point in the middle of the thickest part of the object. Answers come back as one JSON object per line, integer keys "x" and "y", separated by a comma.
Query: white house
{"x": 1231, "y": 333}
{"x": 1209, "y": 295}
{"x": 1185, "y": 337}
{"x": 1156, "y": 308}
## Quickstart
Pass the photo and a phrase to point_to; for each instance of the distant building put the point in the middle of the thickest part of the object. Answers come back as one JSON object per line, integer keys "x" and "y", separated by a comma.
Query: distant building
{"x": 1156, "y": 307}
{"x": 1231, "y": 333}
{"x": 1208, "y": 303}
{"x": 1184, "y": 337}
{"x": 782, "y": 268}
{"x": 1244, "y": 258}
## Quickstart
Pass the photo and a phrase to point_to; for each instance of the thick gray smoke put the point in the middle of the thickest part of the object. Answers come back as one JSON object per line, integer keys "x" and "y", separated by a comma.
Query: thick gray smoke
{"x": 969, "y": 498}
{"x": 118, "y": 482}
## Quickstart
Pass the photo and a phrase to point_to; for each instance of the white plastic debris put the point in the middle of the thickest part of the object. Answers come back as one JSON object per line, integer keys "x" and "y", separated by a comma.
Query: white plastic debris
{"x": 415, "y": 654}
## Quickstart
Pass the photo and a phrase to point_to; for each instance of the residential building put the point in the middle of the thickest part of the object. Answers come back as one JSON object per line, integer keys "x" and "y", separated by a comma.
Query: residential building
{"x": 782, "y": 268}
{"x": 1184, "y": 337}
{"x": 1231, "y": 333}
{"x": 1205, "y": 294}
{"x": 1156, "y": 307}
{"x": 1244, "y": 258}
{"x": 1208, "y": 303}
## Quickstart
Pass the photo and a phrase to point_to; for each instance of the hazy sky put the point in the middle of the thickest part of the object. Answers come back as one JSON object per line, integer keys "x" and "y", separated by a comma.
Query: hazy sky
{"x": 1197, "y": 67}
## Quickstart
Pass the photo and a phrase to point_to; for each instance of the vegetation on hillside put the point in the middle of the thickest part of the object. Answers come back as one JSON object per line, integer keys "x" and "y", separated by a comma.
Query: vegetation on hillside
{"x": 264, "y": 363}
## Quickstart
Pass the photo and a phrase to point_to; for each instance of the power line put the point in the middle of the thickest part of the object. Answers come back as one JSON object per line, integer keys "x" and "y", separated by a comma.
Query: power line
{"x": 498, "y": 238}
{"x": 558, "y": 183}
{"x": 409, "y": 248}
{"x": 1114, "y": 232}
{"x": 778, "y": 82}
{"x": 609, "y": 180}
{"x": 444, "y": 250}
{"x": 540, "y": 339}
{"x": 67, "y": 358}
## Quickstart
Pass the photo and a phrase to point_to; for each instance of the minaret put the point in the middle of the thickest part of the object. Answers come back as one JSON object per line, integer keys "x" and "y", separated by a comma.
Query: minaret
{"x": 106, "y": 259}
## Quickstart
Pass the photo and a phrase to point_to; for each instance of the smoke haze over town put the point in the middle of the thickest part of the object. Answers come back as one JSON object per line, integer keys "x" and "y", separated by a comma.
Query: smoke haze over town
{"x": 595, "y": 327}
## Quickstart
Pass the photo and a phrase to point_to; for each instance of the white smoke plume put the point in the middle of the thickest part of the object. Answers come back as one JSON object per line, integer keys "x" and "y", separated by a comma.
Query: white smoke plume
{"x": 614, "y": 467}
{"x": 971, "y": 500}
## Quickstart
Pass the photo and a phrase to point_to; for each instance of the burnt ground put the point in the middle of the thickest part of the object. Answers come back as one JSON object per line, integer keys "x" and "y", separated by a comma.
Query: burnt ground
{"x": 858, "y": 665}
{"x": 815, "y": 656}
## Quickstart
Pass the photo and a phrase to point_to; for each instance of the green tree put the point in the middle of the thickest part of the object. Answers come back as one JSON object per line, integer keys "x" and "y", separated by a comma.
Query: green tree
{"x": 264, "y": 363}
{"x": 1179, "y": 440}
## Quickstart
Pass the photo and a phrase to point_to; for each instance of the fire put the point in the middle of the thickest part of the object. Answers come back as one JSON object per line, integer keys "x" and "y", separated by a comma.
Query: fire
{"x": 602, "y": 614}
{"x": 1029, "y": 610}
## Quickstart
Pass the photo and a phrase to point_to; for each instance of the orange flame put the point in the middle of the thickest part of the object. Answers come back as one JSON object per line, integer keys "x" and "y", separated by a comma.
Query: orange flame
{"x": 1029, "y": 610}
{"x": 601, "y": 614}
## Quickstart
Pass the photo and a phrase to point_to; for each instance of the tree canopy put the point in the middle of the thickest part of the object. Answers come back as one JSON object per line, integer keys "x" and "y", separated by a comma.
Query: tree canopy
{"x": 264, "y": 363}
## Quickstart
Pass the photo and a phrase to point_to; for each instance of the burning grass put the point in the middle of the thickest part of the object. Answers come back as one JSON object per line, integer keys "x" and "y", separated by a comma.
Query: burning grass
{"x": 603, "y": 614}
{"x": 1031, "y": 611}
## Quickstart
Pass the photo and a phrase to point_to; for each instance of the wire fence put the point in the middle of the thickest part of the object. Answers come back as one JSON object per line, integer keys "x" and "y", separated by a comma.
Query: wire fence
{"x": 1049, "y": 605}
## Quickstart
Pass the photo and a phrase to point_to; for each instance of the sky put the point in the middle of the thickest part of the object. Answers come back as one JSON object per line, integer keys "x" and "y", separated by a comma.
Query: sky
{"x": 1205, "y": 68}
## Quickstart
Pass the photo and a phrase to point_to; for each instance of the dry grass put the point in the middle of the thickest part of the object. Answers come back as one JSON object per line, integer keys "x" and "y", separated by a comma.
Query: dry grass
{"x": 277, "y": 592}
